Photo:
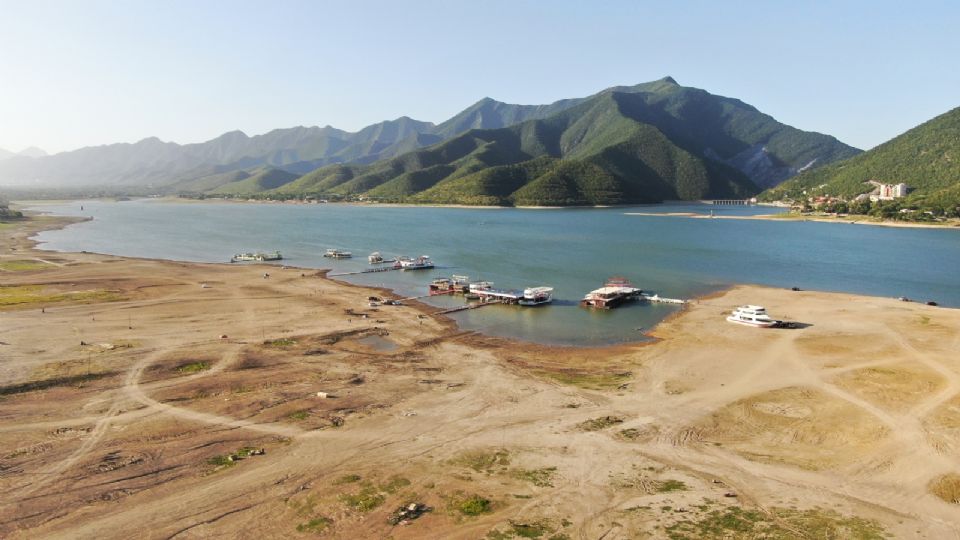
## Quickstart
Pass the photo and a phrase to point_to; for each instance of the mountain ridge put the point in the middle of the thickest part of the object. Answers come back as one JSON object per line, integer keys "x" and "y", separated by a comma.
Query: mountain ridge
{"x": 652, "y": 142}
{"x": 168, "y": 167}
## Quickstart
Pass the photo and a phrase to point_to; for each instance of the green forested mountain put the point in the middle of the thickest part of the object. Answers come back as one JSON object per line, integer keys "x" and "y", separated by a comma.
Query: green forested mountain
{"x": 209, "y": 182}
{"x": 721, "y": 129}
{"x": 926, "y": 158}
{"x": 261, "y": 180}
{"x": 649, "y": 143}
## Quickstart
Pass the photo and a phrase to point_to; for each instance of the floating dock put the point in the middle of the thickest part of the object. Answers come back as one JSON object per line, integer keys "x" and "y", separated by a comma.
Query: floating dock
{"x": 499, "y": 296}
{"x": 661, "y": 300}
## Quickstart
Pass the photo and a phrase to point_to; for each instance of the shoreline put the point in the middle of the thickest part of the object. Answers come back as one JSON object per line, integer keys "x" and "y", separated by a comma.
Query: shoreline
{"x": 642, "y": 338}
{"x": 297, "y": 202}
{"x": 819, "y": 219}
{"x": 60, "y": 222}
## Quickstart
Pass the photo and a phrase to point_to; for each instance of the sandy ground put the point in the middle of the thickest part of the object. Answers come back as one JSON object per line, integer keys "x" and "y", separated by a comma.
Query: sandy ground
{"x": 127, "y": 384}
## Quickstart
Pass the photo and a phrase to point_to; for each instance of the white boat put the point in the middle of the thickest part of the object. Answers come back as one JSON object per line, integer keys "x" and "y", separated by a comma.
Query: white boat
{"x": 481, "y": 286}
{"x": 375, "y": 258}
{"x": 751, "y": 315}
{"x": 258, "y": 257}
{"x": 420, "y": 263}
{"x": 337, "y": 254}
{"x": 536, "y": 296}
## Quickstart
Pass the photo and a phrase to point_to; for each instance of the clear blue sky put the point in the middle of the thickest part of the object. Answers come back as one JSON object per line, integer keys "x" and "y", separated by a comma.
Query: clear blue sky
{"x": 75, "y": 72}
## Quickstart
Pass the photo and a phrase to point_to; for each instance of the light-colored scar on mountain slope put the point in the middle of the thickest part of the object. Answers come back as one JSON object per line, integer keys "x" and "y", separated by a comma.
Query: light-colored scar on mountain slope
{"x": 132, "y": 397}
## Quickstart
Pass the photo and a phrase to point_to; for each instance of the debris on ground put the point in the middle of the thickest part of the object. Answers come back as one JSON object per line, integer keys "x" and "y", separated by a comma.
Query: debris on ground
{"x": 405, "y": 514}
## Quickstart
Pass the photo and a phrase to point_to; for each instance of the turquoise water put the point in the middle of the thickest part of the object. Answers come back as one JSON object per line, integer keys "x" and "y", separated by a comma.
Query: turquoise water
{"x": 573, "y": 250}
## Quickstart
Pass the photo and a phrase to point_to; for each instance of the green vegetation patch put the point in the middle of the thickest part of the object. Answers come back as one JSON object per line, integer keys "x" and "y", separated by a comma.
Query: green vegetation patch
{"x": 72, "y": 380}
{"x": 315, "y": 525}
{"x": 22, "y": 265}
{"x": 18, "y": 295}
{"x": 538, "y": 477}
{"x": 596, "y": 424}
{"x": 365, "y": 500}
{"x": 193, "y": 367}
{"x": 472, "y": 505}
{"x": 780, "y": 523}
{"x": 347, "y": 479}
{"x": 530, "y": 529}
{"x": 221, "y": 461}
{"x": 280, "y": 343}
{"x": 666, "y": 486}
{"x": 229, "y": 460}
{"x": 483, "y": 460}
{"x": 370, "y": 496}
{"x": 299, "y": 415}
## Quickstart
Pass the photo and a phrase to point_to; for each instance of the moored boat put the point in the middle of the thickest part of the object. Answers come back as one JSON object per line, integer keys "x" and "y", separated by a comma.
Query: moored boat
{"x": 422, "y": 262}
{"x": 337, "y": 254}
{"x": 536, "y": 296}
{"x": 257, "y": 257}
{"x": 451, "y": 285}
{"x": 614, "y": 292}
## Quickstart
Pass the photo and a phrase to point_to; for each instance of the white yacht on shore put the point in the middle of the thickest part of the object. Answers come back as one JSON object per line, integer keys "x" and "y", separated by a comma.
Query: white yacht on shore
{"x": 751, "y": 315}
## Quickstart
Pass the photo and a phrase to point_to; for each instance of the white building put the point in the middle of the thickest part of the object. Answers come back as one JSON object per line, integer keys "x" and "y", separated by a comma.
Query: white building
{"x": 888, "y": 192}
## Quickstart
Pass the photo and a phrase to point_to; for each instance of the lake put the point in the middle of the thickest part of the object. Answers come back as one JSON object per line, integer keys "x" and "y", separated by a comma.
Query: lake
{"x": 572, "y": 250}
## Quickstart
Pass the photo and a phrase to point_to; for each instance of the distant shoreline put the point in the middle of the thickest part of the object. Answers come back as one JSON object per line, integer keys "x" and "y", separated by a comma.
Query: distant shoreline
{"x": 297, "y": 202}
{"x": 791, "y": 217}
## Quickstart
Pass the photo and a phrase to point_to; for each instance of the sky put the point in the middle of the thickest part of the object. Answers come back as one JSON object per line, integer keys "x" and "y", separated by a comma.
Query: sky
{"x": 77, "y": 73}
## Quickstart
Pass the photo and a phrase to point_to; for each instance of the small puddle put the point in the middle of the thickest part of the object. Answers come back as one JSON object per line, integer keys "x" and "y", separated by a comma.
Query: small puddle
{"x": 378, "y": 343}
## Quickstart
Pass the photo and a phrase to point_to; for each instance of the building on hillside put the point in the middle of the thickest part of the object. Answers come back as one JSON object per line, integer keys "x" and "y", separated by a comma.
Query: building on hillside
{"x": 889, "y": 192}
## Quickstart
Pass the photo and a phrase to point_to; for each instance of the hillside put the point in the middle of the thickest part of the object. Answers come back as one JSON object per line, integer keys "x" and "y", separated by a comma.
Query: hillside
{"x": 209, "y": 182}
{"x": 644, "y": 143}
{"x": 31, "y": 152}
{"x": 764, "y": 149}
{"x": 265, "y": 179}
{"x": 926, "y": 158}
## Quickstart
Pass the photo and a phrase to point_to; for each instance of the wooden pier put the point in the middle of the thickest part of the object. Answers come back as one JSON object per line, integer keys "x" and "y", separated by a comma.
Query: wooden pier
{"x": 730, "y": 202}
{"x": 367, "y": 271}
{"x": 464, "y": 308}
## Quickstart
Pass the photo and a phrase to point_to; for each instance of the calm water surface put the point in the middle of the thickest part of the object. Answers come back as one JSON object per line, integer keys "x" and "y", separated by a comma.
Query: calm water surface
{"x": 573, "y": 250}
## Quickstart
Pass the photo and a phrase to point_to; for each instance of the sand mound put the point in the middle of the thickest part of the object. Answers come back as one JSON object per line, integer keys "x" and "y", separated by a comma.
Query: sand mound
{"x": 943, "y": 426}
{"x": 947, "y": 487}
{"x": 783, "y": 409}
{"x": 894, "y": 387}
{"x": 798, "y": 426}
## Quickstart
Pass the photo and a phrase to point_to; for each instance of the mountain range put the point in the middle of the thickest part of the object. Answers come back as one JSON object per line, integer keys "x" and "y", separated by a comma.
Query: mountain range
{"x": 926, "y": 158}
{"x": 31, "y": 152}
{"x": 645, "y": 142}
